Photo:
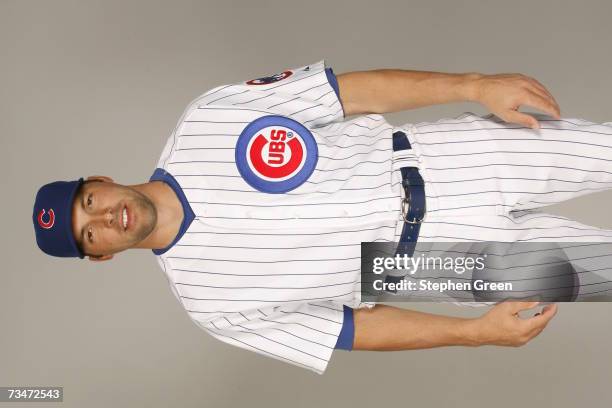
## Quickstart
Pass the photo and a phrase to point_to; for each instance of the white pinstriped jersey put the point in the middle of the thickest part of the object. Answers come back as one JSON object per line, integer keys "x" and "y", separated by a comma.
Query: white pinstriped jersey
{"x": 270, "y": 272}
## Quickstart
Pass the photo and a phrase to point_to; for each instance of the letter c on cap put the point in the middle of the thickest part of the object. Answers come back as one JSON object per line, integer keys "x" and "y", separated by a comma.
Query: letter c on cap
{"x": 47, "y": 224}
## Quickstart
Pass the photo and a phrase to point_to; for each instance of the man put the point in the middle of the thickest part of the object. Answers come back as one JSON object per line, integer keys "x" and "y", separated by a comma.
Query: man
{"x": 264, "y": 192}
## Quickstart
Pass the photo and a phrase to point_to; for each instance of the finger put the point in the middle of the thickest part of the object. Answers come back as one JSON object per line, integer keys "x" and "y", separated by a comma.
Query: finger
{"x": 536, "y": 84}
{"x": 539, "y": 84}
{"x": 540, "y": 321}
{"x": 521, "y": 119}
{"x": 516, "y": 307}
{"x": 536, "y": 101}
{"x": 547, "y": 97}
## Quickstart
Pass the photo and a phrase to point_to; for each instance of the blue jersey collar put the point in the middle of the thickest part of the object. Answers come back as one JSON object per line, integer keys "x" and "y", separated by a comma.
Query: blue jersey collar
{"x": 188, "y": 215}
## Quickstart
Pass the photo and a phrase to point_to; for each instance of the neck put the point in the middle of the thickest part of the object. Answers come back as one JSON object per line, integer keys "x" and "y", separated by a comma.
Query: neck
{"x": 169, "y": 214}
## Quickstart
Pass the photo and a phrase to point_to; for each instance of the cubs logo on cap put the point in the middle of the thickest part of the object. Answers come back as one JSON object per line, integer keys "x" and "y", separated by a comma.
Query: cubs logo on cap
{"x": 270, "y": 79}
{"x": 52, "y": 218}
{"x": 275, "y": 154}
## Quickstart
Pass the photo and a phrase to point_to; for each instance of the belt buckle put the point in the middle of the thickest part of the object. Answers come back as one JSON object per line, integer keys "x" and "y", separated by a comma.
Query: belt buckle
{"x": 406, "y": 210}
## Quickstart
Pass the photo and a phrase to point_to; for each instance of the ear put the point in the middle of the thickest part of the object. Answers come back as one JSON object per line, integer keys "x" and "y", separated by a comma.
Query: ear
{"x": 99, "y": 258}
{"x": 105, "y": 179}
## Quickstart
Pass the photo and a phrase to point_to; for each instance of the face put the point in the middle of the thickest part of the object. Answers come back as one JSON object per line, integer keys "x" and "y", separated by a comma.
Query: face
{"x": 109, "y": 218}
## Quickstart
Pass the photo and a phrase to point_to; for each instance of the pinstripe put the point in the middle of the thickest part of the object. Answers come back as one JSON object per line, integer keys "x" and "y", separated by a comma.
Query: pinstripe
{"x": 385, "y": 186}
{"x": 260, "y": 350}
{"x": 253, "y": 100}
{"x": 278, "y": 342}
{"x": 263, "y": 287}
{"x": 291, "y": 334}
{"x": 287, "y": 235}
{"x": 516, "y": 152}
{"x": 521, "y": 178}
{"x": 325, "y": 94}
{"x": 307, "y": 181}
{"x": 291, "y": 218}
{"x": 280, "y": 301}
{"x": 267, "y": 274}
{"x": 312, "y": 87}
{"x": 281, "y": 103}
{"x": 530, "y": 166}
{"x": 324, "y": 116}
{"x": 226, "y": 96}
{"x": 213, "y": 108}
{"x": 316, "y": 317}
{"x": 298, "y": 324}
{"x": 259, "y": 261}
{"x": 275, "y": 247}
{"x": 293, "y": 205}
{"x": 309, "y": 107}
{"x": 506, "y": 228}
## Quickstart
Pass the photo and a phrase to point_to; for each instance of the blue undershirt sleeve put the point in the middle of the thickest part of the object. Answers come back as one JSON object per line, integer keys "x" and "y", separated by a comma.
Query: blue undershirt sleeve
{"x": 333, "y": 81}
{"x": 347, "y": 333}
{"x": 331, "y": 78}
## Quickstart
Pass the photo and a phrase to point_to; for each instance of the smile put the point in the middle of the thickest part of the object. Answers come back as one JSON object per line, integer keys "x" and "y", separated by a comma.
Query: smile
{"x": 125, "y": 218}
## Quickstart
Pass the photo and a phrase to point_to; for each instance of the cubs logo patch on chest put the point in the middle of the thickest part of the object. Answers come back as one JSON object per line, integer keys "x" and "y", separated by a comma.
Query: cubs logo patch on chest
{"x": 275, "y": 154}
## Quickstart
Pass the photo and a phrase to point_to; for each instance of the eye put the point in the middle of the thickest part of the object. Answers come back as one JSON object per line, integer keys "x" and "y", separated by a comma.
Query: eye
{"x": 89, "y": 200}
{"x": 90, "y": 235}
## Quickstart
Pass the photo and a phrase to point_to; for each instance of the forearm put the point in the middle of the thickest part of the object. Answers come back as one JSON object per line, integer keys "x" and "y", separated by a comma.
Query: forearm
{"x": 391, "y": 90}
{"x": 387, "y": 328}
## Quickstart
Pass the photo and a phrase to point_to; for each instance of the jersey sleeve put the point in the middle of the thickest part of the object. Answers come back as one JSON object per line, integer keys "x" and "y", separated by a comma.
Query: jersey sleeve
{"x": 303, "y": 335}
{"x": 308, "y": 94}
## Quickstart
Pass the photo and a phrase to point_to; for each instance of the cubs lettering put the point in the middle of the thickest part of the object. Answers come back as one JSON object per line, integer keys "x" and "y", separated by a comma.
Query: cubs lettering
{"x": 277, "y": 146}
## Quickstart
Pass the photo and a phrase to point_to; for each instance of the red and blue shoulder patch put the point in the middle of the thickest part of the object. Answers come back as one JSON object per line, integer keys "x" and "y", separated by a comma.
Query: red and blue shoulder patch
{"x": 270, "y": 79}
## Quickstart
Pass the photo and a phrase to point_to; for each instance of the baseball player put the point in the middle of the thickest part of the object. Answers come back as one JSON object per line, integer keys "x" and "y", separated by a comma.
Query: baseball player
{"x": 265, "y": 190}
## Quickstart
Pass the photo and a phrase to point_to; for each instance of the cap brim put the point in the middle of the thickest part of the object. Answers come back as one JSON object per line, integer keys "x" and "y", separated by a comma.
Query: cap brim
{"x": 71, "y": 237}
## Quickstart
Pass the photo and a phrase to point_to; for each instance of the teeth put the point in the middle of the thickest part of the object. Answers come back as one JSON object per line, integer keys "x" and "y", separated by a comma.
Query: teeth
{"x": 125, "y": 218}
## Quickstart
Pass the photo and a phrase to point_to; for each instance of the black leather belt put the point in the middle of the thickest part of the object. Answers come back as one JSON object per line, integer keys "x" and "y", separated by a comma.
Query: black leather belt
{"x": 413, "y": 204}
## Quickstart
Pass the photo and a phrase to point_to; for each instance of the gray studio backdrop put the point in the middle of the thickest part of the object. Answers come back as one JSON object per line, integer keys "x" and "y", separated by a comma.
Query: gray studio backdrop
{"x": 95, "y": 87}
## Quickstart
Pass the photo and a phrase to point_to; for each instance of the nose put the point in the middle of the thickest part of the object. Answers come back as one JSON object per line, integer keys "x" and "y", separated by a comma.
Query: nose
{"x": 106, "y": 218}
{"x": 109, "y": 218}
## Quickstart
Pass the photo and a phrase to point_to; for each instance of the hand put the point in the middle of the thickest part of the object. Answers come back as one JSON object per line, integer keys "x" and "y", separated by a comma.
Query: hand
{"x": 502, "y": 325}
{"x": 503, "y": 94}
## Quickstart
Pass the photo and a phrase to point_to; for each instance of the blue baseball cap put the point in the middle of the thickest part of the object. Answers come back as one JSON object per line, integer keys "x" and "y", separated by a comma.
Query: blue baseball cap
{"x": 52, "y": 218}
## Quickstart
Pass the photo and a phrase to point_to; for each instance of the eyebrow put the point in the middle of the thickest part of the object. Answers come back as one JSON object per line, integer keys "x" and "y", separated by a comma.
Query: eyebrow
{"x": 80, "y": 241}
